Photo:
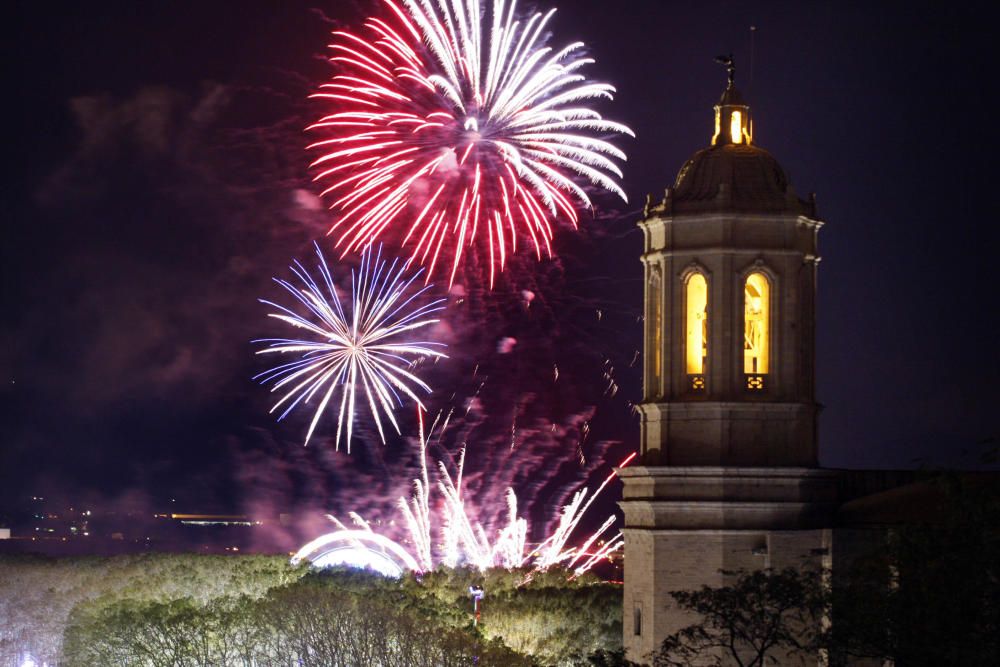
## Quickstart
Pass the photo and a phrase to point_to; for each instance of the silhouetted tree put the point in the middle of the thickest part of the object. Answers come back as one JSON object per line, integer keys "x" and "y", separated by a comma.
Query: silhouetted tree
{"x": 610, "y": 658}
{"x": 761, "y": 616}
{"x": 931, "y": 595}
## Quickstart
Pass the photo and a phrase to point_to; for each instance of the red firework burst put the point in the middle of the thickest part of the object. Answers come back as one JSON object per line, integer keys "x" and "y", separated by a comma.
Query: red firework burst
{"x": 456, "y": 128}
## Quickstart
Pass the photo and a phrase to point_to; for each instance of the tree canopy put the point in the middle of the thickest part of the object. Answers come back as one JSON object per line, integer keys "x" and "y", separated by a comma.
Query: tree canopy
{"x": 158, "y": 610}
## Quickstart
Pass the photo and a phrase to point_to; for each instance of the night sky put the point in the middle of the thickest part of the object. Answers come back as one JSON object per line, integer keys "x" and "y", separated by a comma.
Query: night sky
{"x": 157, "y": 179}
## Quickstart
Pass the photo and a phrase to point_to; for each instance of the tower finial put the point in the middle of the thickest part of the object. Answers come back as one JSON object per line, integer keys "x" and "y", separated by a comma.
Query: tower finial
{"x": 732, "y": 114}
{"x": 730, "y": 64}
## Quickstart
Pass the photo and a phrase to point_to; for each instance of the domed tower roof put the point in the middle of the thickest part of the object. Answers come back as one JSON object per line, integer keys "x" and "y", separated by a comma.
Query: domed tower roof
{"x": 733, "y": 174}
{"x": 735, "y": 177}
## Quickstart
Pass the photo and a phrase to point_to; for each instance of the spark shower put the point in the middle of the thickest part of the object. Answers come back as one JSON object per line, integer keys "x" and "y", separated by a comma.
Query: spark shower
{"x": 453, "y": 129}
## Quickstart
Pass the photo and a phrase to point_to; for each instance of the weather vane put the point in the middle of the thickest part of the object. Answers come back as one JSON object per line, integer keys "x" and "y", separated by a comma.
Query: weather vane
{"x": 730, "y": 64}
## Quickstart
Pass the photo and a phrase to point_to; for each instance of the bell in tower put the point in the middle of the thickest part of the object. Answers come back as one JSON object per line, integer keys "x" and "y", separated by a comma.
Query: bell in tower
{"x": 728, "y": 477}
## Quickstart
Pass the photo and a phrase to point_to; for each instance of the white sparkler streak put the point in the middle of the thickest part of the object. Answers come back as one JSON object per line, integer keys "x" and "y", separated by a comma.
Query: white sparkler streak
{"x": 417, "y": 513}
{"x": 615, "y": 544}
{"x": 467, "y": 533}
{"x": 552, "y": 550}
{"x": 366, "y": 345}
{"x": 462, "y": 539}
{"x": 582, "y": 550}
{"x": 509, "y": 548}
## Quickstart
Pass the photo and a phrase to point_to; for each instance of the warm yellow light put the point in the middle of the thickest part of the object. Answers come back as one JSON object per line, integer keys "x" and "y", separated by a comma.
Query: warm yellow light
{"x": 696, "y": 324}
{"x": 736, "y": 127}
{"x": 718, "y": 126}
{"x": 756, "y": 332}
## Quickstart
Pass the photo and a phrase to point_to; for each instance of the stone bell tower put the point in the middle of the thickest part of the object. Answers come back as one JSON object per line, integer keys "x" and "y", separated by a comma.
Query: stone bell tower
{"x": 728, "y": 477}
{"x": 730, "y": 262}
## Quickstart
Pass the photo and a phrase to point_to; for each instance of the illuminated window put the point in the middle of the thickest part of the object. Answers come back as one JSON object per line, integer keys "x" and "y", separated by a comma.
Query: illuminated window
{"x": 718, "y": 126}
{"x": 756, "y": 329}
{"x": 736, "y": 127}
{"x": 696, "y": 324}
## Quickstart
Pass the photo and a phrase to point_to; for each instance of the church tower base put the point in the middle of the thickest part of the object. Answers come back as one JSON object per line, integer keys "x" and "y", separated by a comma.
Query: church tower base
{"x": 688, "y": 527}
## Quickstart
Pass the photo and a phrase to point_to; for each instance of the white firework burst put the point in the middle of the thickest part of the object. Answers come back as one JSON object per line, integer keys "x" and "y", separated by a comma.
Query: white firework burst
{"x": 366, "y": 346}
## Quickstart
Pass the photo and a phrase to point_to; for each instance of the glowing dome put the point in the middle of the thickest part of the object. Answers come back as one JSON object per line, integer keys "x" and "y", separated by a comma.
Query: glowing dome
{"x": 357, "y": 548}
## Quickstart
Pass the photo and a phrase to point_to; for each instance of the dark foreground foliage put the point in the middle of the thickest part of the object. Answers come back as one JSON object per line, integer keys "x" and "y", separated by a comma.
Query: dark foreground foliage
{"x": 928, "y": 595}
{"x": 762, "y": 615}
{"x": 931, "y": 595}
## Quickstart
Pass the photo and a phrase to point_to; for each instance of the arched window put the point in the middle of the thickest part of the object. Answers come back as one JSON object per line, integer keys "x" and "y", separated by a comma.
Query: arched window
{"x": 656, "y": 331}
{"x": 736, "y": 127}
{"x": 756, "y": 329}
{"x": 696, "y": 329}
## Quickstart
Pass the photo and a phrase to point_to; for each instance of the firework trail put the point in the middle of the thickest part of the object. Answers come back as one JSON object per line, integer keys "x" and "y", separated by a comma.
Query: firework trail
{"x": 463, "y": 539}
{"x": 453, "y": 120}
{"x": 367, "y": 345}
